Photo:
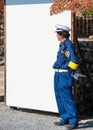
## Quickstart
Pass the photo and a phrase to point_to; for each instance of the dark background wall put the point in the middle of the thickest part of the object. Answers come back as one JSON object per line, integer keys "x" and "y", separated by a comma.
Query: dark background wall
{"x": 84, "y": 49}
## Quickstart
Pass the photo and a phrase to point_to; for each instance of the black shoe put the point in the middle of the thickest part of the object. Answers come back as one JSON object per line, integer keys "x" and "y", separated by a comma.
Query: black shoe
{"x": 75, "y": 126}
{"x": 71, "y": 127}
{"x": 58, "y": 123}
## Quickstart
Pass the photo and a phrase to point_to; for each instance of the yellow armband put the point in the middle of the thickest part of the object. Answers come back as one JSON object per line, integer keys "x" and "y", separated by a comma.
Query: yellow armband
{"x": 72, "y": 65}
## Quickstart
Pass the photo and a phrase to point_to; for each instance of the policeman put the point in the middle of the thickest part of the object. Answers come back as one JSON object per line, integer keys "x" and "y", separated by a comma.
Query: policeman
{"x": 65, "y": 65}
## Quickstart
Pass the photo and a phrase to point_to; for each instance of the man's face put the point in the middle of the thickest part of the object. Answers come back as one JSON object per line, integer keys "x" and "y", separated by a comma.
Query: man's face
{"x": 59, "y": 37}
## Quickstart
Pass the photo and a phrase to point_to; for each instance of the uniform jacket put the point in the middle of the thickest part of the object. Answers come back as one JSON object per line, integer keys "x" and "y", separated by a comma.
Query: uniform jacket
{"x": 65, "y": 56}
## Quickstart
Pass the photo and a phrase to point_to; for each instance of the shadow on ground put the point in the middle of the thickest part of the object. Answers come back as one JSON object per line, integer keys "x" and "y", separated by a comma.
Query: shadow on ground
{"x": 87, "y": 124}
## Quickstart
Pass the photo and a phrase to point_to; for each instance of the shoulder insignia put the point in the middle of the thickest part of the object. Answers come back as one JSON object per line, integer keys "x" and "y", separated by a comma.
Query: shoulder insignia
{"x": 67, "y": 53}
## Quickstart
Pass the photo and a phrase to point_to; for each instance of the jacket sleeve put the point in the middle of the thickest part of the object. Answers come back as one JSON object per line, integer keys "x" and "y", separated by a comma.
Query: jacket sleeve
{"x": 73, "y": 64}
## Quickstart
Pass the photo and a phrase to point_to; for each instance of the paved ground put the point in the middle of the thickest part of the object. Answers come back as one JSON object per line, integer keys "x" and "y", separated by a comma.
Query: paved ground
{"x": 19, "y": 120}
{"x": 2, "y": 81}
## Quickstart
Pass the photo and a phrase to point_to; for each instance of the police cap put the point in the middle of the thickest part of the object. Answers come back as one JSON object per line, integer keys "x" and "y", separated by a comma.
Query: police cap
{"x": 60, "y": 28}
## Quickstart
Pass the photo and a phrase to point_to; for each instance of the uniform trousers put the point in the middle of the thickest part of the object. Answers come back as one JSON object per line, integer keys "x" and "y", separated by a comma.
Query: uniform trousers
{"x": 63, "y": 83}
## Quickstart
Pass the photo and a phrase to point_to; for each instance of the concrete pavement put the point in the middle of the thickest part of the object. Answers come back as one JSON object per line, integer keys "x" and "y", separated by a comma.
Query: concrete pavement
{"x": 19, "y": 120}
{"x": 2, "y": 89}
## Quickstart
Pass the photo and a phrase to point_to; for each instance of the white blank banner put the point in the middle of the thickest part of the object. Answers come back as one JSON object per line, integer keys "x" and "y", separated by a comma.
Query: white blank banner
{"x": 31, "y": 47}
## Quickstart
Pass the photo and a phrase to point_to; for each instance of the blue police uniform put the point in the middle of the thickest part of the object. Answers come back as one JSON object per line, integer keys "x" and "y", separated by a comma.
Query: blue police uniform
{"x": 64, "y": 66}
